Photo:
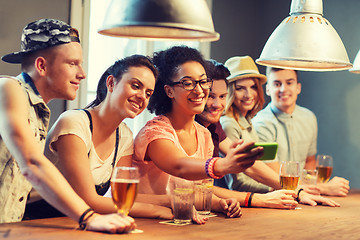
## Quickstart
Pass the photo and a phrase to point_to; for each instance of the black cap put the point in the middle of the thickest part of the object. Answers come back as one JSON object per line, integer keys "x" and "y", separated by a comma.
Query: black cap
{"x": 42, "y": 34}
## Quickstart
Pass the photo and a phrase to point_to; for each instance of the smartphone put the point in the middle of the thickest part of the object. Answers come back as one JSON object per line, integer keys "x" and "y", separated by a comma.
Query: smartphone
{"x": 270, "y": 149}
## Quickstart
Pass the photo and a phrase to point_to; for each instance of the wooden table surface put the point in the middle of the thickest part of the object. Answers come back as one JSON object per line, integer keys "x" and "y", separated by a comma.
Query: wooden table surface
{"x": 316, "y": 223}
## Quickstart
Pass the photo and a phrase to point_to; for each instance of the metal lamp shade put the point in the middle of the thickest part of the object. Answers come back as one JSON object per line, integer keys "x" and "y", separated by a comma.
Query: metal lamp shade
{"x": 305, "y": 41}
{"x": 356, "y": 67}
{"x": 159, "y": 19}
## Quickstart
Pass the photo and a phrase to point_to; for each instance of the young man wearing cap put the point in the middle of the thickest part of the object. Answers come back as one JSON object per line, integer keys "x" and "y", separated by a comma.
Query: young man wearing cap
{"x": 210, "y": 119}
{"x": 292, "y": 126}
{"x": 51, "y": 63}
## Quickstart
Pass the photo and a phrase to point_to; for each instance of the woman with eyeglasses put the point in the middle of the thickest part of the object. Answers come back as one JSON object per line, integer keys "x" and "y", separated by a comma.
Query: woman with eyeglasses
{"x": 172, "y": 143}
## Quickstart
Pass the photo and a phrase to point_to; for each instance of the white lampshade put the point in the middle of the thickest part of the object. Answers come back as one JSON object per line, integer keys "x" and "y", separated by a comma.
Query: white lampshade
{"x": 305, "y": 41}
{"x": 159, "y": 19}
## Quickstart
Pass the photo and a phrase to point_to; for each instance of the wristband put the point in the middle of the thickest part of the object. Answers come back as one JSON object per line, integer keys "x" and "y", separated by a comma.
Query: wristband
{"x": 210, "y": 168}
{"x": 207, "y": 167}
{"x": 298, "y": 195}
{"x": 83, "y": 220}
{"x": 250, "y": 199}
{"x": 247, "y": 199}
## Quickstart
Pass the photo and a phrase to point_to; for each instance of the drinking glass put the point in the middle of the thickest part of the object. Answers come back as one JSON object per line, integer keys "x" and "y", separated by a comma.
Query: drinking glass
{"x": 124, "y": 187}
{"x": 289, "y": 175}
{"x": 309, "y": 176}
{"x": 324, "y": 165}
{"x": 203, "y": 195}
{"x": 182, "y": 192}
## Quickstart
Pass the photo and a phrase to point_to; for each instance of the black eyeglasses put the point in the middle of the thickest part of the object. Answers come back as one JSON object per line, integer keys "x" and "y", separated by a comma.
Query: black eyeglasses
{"x": 189, "y": 84}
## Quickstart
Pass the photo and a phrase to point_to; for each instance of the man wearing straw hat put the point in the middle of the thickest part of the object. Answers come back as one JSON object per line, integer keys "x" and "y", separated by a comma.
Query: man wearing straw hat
{"x": 51, "y": 63}
{"x": 292, "y": 126}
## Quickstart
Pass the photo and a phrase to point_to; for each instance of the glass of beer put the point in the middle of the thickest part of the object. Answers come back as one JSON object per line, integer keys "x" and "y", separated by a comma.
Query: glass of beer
{"x": 324, "y": 165}
{"x": 289, "y": 175}
{"x": 124, "y": 187}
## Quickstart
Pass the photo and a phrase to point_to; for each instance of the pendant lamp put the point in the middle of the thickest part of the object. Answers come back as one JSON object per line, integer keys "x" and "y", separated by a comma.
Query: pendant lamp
{"x": 356, "y": 67}
{"x": 305, "y": 41}
{"x": 159, "y": 19}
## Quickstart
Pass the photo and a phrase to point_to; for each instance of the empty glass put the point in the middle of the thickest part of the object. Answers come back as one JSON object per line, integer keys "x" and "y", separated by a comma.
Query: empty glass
{"x": 309, "y": 176}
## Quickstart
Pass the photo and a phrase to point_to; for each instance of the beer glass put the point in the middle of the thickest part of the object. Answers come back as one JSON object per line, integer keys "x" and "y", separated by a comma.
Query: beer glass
{"x": 289, "y": 175}
{"x": 124, "y": 187}
{"x": 324, "y": 165}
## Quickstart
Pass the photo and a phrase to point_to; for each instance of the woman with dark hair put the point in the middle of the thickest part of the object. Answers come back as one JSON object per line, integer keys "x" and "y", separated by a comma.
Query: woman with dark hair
{"x": 172, "y": 143}
{"x": 87, "y": 144}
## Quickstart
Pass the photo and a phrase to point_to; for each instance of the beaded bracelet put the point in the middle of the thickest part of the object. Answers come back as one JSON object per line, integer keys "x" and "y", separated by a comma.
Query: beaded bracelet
{"x": 83, "y": 220}
{"x": 247, "y": 199}
{"x": 250, "y": 199}
{"x": 213, "y": 169}
{"x": 298, "y": 195}
{"x": 209, "y": 168}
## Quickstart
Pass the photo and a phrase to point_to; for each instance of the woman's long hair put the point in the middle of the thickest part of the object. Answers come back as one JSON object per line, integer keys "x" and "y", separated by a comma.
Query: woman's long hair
{"x": 232, "y": 111}
{"x": 117, "y": 70}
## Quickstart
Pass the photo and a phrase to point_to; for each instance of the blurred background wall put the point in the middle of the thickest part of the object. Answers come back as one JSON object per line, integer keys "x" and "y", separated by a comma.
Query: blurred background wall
{"x": 244, "y": 27}
{"x": 14, "y": 15}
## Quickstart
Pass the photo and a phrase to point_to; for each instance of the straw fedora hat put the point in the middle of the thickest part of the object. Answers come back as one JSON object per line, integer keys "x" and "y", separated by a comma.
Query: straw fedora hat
{"x": 243, "y": 67}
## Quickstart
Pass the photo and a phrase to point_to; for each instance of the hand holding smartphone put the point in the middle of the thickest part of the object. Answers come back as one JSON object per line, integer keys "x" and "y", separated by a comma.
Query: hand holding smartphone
{"x": 270, "y": 149}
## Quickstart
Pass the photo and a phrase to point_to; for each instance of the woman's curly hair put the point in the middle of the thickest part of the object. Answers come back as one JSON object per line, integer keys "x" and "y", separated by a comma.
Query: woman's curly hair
{"x": 167, "y": 62}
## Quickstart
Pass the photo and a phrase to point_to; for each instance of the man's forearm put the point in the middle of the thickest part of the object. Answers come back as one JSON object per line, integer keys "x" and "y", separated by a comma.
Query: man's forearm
{"x": 226, "y": 193}
{"x": 53, "y": 187}
{"x": 264, "y": 174}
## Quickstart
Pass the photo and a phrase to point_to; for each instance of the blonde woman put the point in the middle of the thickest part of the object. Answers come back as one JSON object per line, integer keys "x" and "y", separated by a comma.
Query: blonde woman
{"x": 245, "y": 98}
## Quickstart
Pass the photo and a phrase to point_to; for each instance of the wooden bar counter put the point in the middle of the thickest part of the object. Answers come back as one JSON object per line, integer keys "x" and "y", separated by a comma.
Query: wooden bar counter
{"x": 316, "y": 223}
